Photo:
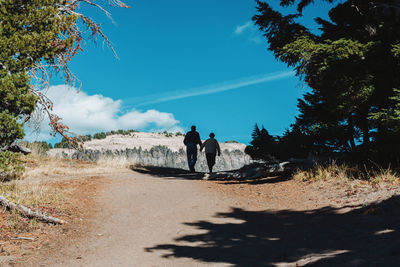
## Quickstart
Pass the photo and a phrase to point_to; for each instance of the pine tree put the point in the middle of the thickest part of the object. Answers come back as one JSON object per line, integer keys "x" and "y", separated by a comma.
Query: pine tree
{"x": 29, "y": 33}
{"x": 351, "y": 67}
{"x": 35, "y": 36}
{"x": 262, "y": 145}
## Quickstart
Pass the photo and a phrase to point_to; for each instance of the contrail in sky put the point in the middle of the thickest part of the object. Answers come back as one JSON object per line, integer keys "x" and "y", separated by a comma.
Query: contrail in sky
{"x": 210, "y": 89}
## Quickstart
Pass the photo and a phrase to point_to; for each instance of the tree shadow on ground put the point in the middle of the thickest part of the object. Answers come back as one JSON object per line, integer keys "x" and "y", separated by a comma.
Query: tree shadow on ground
{"x": 271, "y": 179}
{"x": 168, "y": 172}
{"x": 368, "y": 236}
{"x": 225, "y": 176}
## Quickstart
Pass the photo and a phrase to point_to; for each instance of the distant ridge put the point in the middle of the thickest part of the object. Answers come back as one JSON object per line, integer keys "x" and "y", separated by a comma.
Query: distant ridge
{"x": 154, "y": 149}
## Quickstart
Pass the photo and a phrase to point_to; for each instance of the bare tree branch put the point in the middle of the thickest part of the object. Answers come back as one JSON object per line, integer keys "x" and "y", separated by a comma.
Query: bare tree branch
{"x": 40, "y": 72}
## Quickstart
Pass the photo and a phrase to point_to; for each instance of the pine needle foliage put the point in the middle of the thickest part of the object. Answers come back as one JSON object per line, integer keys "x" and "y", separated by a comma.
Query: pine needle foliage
{"x": 30, "y": 32}
{"x": 37, "y": 37}
{"x": 352, "y": 68}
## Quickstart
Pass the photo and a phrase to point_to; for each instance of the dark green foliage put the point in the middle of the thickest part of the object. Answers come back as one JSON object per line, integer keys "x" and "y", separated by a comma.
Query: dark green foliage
{"x": 30, "y": 32}
{"x": 10, "y": 166}
{"x": 121, "y": 132}
{"x": 263, "y": 145}
{"x": 36, "y": 37}
{"x": 292, "y": 144}
{"x": 101, "y": 135}
{"x": 167, "y": 134}
{"x": 65, "y": 143}
{"x": 352, "y": 69}
{"x": 85, "y": 138}
{"x": 10, "y": 128}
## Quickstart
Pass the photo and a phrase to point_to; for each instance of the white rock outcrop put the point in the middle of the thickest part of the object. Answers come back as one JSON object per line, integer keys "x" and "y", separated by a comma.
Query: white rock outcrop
{"x": 154, "y": 149}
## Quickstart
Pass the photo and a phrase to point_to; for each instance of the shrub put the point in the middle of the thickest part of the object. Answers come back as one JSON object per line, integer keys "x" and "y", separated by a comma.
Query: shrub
{"x": 120, "y": 131}
{"x": 11, "y": 166}
{"x": 38, "y": 147}
{"x": 101, "y": 135}
{"x": 64, "y": 144}
{"x": 85, "y": 138}
{"x": 167, "y": 134}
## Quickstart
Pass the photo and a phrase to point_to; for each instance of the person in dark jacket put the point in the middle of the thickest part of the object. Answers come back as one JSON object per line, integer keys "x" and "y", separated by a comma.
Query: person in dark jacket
{"x": 212, "y": 149}
{"x": 192, "y": 139}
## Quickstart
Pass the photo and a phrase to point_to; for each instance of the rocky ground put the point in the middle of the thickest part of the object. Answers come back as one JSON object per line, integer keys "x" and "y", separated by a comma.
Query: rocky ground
{"x": 148, "y": 140}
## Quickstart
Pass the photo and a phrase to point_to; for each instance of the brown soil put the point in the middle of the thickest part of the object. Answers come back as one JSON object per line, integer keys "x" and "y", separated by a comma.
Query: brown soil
{"x": 281, "y": 194}
{"x": 165, "y": 217}
{"x": 77, "y": 206}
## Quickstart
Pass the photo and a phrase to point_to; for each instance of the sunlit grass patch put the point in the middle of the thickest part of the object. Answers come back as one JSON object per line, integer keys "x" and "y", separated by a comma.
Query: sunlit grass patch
{"x": 331, "y": 171}
{"x": 345, "y": 173}
{"x": 38, "y": 184}
{"x": 384, "y": 175}
{"x": 39, "y": 166}
{"x": 30, "y": 194}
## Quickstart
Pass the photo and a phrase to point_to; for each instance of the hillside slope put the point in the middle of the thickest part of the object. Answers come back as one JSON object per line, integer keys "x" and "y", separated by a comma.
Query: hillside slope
{"x": 154, "y": 149}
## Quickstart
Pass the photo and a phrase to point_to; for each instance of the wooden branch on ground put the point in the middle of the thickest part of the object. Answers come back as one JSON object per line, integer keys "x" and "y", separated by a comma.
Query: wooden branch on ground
{"x": 27, "y": 212}
{"x": 22, "y": 238}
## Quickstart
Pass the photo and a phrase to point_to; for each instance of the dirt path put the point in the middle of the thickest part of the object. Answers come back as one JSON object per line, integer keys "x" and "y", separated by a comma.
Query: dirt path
{"x": 140, "y": 212}
{"x": 147, "y": 220}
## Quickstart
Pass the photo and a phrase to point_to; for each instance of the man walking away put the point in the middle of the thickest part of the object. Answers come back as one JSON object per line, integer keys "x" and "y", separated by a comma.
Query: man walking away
{"x": 192, "y": 139}
{"x": 212, "y": 149}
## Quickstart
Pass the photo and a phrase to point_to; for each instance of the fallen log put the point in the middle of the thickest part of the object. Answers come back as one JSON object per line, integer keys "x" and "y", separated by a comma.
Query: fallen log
{"x": 27, "y": 212}
{"x": 22, "y": 238}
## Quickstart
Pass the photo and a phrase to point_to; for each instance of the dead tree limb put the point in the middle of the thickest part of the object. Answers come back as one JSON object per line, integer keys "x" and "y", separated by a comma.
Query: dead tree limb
{"x": 27, "y": 212}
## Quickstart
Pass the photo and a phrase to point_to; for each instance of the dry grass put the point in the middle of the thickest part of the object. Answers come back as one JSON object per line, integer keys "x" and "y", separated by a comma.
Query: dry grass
{"x": 344, "y": 173}
{"x": 36, "y": 149}
{"x": 62, "y": 188}
{"x": 38, "y": 166}
{"x": 30, "y": 194}
{"x": 39, "y": 186}
{"x": 319, "y": 172}
{"x": 32, "y": 189}
{"x": 67, "y": 199}
{"x": 384, "y": 175}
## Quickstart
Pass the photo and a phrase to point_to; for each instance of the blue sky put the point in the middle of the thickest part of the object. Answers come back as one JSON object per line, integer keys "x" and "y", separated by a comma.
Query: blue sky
{"x": 181, "y": 63}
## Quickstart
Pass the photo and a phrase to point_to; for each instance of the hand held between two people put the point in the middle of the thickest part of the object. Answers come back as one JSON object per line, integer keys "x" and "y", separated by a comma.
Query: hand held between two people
{"x": 218, "y": 154}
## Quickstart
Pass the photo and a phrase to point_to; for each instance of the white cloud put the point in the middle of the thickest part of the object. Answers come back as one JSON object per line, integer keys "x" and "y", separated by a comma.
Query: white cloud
{"x": 211, "y": 89}
{"x": 86, "y": 114}
{"x": 240, "y": 29}
{"x": 249, "y": 31}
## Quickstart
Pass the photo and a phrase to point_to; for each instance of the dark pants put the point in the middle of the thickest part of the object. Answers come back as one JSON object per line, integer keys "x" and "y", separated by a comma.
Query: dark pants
{"x": 191, "y": 151}
{"x": 210, "y": 160}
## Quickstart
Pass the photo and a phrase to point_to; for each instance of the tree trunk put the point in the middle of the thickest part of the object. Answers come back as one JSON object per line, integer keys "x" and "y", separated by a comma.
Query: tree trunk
{"x": 365, "y": 133}
{"x": 351, "y": 133}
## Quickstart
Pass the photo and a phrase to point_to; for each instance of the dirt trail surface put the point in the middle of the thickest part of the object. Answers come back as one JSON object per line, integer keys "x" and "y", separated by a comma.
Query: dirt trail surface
{"x": 179, "y": 220}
